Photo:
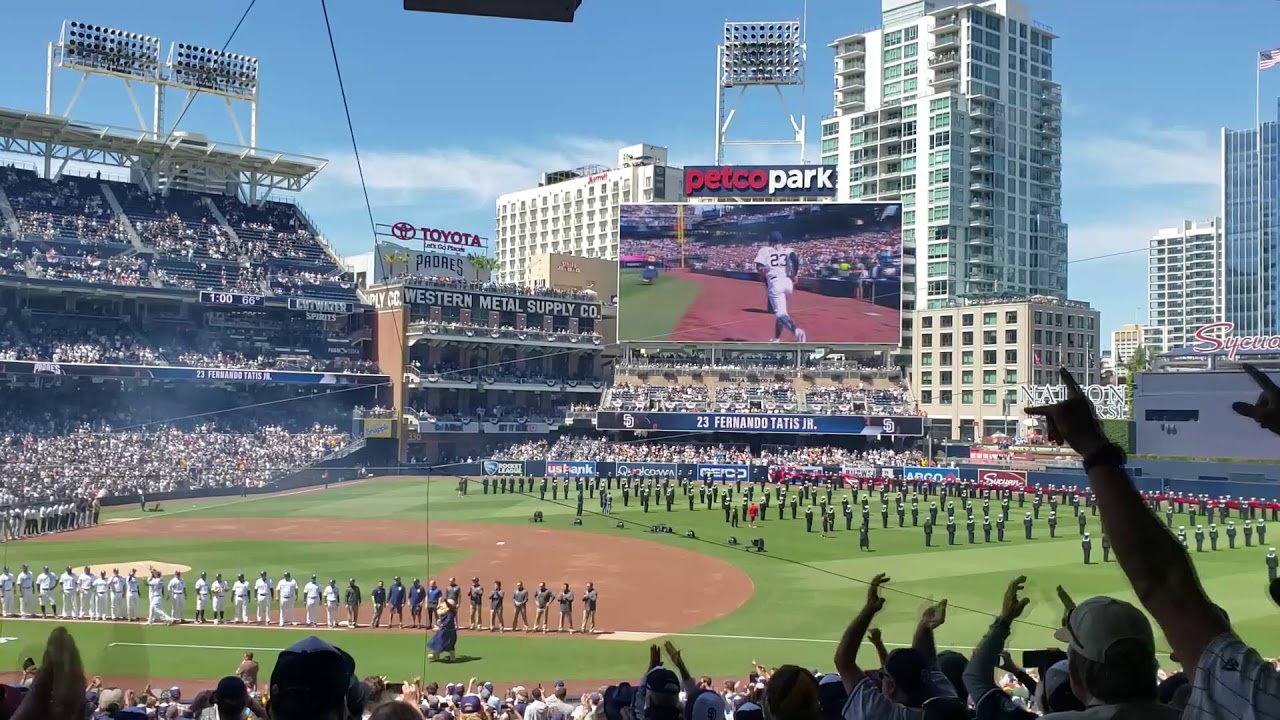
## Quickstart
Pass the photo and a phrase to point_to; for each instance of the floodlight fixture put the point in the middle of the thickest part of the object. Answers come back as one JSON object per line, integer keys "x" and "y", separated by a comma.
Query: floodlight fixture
{"x": 548, "y": 10}
{"x": 97, "y": 48}
{"x": 762, "y": 53}
{"x": 212, "y": 70}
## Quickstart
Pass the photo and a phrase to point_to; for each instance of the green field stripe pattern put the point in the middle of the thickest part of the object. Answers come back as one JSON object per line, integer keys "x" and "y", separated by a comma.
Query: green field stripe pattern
{"x": 652, "y": 312}
{"x": 806, "y": 587}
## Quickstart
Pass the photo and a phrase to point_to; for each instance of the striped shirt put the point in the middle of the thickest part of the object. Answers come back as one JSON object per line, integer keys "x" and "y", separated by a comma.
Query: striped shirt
{"x": 1233, "y": 681}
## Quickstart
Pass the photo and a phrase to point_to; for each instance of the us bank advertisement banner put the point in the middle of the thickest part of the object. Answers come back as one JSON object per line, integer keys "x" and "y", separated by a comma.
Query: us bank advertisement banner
{"x": 570, "y": 469}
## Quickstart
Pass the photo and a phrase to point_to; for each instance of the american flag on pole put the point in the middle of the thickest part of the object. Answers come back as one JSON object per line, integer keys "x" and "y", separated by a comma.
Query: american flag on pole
{"x": 1268, "y": 59}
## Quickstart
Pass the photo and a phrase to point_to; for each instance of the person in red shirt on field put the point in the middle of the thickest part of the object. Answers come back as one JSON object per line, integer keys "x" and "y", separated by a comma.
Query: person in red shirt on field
{"x": 752, "y": 511}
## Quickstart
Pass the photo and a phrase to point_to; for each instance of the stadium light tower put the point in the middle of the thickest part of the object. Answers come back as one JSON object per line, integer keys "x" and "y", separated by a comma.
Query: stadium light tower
{"x": 134, "y": 58}
{"x": 755, "y": 55}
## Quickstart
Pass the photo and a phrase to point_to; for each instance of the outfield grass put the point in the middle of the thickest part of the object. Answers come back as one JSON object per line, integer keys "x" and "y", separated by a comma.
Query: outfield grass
{"x": 652, "y": 312}
{"x": 806, "y": 588}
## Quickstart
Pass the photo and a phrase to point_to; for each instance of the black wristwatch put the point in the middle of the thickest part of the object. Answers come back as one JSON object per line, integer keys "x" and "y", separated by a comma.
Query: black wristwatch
{"x": 1109, "y": 455}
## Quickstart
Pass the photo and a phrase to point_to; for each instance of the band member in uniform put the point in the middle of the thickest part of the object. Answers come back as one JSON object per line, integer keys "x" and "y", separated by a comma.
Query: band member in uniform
{"x": 1087, "y": 545}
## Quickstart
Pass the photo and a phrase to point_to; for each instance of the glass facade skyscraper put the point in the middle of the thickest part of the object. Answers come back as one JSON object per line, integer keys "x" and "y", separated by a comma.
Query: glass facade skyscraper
{"x": 1251, "y": 229}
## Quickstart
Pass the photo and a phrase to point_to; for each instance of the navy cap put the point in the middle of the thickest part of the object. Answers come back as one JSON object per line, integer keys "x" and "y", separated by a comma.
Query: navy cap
{"x": 662, "y": 680}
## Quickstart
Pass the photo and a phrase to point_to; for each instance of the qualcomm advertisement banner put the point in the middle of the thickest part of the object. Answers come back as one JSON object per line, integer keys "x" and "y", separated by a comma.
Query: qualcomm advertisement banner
{"x": 657, "y": 471}
{"x": 570, "y": 469}
{"x": 739, "y": 473}
{"x": 504, "y": 468}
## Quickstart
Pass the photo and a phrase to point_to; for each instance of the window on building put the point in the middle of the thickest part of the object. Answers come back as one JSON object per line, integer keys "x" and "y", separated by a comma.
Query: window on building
{"x": 926, "y": 321}
{"x": 1010, "y": 356}
{"x": 966, "y": 377}
{"x": 926, "y": 359}
{"x": 1011, "y": 316}
{"x": 944, "y": 397}
{"x": 1011, "y": 336}
{"x": 988, "y": 397}
{"x": 926, "y": 397}
{"x": 988, "y": 377}
{"x": 967, "y": 319}
{"x": 946, "y": 340}
{"x": 988, "y": 337}
{"x": 988, "y": 319}
{"x": 945, "y": 359}
{"x": 926, "y": 377}
{"x": 945, "y": 377}
{"x": 966, "y": 397}
{"x": 966, "y": 338}
{"x": 926, "y": 340}
{"x": 988, "y": 357}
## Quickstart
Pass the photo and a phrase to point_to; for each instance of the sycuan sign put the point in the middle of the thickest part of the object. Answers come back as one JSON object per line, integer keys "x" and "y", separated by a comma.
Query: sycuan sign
{"x": 1216, "y": 337}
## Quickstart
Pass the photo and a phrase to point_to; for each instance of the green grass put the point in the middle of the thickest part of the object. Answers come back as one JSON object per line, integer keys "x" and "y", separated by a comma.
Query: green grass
{"x": 806, "y": 588}
{"x": 652, "y": 312}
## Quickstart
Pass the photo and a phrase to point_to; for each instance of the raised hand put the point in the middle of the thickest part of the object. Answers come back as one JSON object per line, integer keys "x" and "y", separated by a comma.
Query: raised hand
{"x": 1013, "y": 604}
{"x": 1073, "y": 421}
{"x": 1266, "y": 411}
{"x": 1067, "y": 605}
{"x": 874, "y": 636}
{"x": 875, "y": 603}
{"x": 935, "y": 615}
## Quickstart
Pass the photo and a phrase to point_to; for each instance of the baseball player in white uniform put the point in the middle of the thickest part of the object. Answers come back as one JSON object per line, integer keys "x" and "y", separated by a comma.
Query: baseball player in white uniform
{"x": 219, "y": 591}
{"x": 155, "y": 600}
{"x": 6, "y": 592}
{"x": 131, "y": 600}
{"x": 84, "y": 584}
{"x": 116, "y": 585}
{"x": 264, "y": 592}
{"x": 287, "y": 590}
{"x": 202, "y": 596}
{"x": 331, "y": 603}
{"x": 101, "y": 596}
{"x": 68, "y": 580}
{"x": 311, "y": 591}
{"x": 779, "y": 266}
{"x": 240, "y": 592}
{"x": 26, "y": 593}
{"x": 45, "y": 583}
{"x": 178, "y": 597}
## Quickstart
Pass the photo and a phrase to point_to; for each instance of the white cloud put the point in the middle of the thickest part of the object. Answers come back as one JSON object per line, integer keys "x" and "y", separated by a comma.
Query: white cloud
{"x": 1145, "y": 156}
{"x": 397, "y": 177}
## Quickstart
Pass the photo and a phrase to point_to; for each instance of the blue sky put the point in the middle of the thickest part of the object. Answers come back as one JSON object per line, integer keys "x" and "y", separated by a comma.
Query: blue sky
{"x": 452, "y": 111}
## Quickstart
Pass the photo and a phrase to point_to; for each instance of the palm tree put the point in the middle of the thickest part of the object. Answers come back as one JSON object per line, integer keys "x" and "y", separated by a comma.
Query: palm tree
{"x": 483, "y": 264}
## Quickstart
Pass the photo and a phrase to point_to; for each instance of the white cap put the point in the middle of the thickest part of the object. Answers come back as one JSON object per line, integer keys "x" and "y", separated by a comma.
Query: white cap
{"x": 1098, "y": 623}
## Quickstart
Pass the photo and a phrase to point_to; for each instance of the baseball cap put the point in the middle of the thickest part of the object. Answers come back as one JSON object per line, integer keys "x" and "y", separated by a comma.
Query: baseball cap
{"x": 704, "y": 705}
{"x": 775, "y": 236}
{"x": 1097, "y": 624}
{"x": 749, "y": 711}
{"x": 832, "y": 696}
{"x": 231, "y": 690}
{"x": 909, "y": 670}
{"x": 470, "y": 704}
{"x": 109, "y": 697}
{"x": 311, "y": 674}
{"x": 662, "y": 680}
{"x": 617, "y": 697}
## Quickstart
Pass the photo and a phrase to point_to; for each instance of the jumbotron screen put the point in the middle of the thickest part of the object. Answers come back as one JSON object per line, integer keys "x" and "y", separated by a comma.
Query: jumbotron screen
{"x": 760, "y": 272}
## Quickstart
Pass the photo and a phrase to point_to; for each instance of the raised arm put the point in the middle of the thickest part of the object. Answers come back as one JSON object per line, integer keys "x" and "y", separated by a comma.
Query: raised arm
{"x": 923, "y": 641}
{"x": 979, "y": 675}
{"x": 846, "y": 658}
{"x": 1157, "y": 566}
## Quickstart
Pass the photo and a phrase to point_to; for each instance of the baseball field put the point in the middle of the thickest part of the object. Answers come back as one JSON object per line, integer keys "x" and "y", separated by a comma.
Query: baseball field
{"x": 681, "y": 306}
{"x": 723, "y": 605}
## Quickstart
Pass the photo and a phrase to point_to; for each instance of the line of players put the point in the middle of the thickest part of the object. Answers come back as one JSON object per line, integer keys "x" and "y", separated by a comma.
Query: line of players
{"x": 816, "y": 493}
{"x": 86, "y": 596}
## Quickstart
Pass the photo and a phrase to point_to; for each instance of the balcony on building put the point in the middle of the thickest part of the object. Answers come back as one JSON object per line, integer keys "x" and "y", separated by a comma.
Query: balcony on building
{"x": 851, "y": 82}
{"x": 980, "y": 219}
{"x": 981, "y": 166}
{"x": 981, "y": 201}
{"x": 949, "y": 78}
{"x": 850, "y": 100}
{"x": 980, "y": 183}
{"x": 945, "y": 60}
{"x": 947, "y": 41}
{"x": 850, "y": 49}
{"x": 945, "y": 22}
{"x": 850, "y": 67}
{"x": 982, "y": 109}
{"x": 982, "y": 148}
{"x": 1050, "y": 110}
{"x": 982, "y": 128}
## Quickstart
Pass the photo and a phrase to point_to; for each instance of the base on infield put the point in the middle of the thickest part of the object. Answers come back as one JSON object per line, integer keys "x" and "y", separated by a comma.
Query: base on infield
{"x": 631, "y": 636}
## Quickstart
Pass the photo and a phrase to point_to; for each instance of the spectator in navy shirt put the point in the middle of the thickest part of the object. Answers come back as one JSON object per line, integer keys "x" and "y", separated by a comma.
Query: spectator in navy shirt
{"x": 379, "y": 603}
{"x": 417, "y": 595}
{"x": 434, "y": 593}
{"x": 397, "y": 602}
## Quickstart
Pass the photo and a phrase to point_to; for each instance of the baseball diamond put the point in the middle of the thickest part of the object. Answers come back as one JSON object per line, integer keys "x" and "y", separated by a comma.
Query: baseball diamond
{"x": 715, "y": 598}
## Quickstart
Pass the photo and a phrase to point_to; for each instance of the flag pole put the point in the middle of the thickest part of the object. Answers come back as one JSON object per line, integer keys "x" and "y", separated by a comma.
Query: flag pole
{"x": 1257, "y": 125}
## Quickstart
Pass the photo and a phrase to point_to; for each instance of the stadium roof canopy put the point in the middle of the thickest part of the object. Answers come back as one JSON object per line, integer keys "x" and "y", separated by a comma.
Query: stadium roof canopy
{"x": 57, "y": 138}
{"x": 1189, "y": 352}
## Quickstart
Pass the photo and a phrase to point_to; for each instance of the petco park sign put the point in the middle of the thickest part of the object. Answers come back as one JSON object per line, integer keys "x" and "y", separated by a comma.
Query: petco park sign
{"x": 1216, "y": 337}
{"x": 777, "y": 181}
{"x": 1108, "y": 400}
{"x": 435, "y": 238}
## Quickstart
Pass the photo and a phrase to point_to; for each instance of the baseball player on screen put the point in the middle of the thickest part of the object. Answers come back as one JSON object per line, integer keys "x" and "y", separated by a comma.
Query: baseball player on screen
{"x": 779, "y": 266}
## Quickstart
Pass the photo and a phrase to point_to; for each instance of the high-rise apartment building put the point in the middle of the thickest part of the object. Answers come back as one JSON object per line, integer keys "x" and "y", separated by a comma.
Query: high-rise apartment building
{"x": 952, "y": 109}
{"x": 1184, "y": 283}
{"x": 575, "y": 212}
{"x": 1251, "y": 229}
{"x": 1125, "y": 341}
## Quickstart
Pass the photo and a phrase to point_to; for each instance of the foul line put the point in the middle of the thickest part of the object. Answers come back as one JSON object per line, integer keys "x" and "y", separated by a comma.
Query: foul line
{"x": 238, "y": 501}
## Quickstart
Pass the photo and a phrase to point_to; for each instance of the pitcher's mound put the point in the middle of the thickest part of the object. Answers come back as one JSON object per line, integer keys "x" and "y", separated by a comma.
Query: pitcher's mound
{"x": 143, "y": 567}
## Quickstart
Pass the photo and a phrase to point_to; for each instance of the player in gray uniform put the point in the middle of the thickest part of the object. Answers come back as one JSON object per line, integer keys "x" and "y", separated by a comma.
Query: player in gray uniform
{"x": 541, "y": 600}
{"x": 589, "y": 599}
{"x": 565, "y": 598}
{"x": 520, "y": 601}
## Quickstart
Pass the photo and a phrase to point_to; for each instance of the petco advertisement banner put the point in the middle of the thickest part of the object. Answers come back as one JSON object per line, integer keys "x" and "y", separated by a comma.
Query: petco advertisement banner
{"x": 739, "y": 473}
{"x": 1002, "y": 479}
{"x": 502, "y": 467}
{"x": 931, "y": 475}
{"x": 570, "y": 469}
{"x": 647, "y": 470}
{"x": 809, "y": 181}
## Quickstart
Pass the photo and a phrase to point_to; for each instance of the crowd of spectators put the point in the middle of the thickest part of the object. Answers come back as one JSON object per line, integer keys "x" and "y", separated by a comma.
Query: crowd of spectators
{"x": 71, "y": 209}
{"x": 601, "y": 449}
{"x": 88, "y": 463}
{"x": 478, "y": 329}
